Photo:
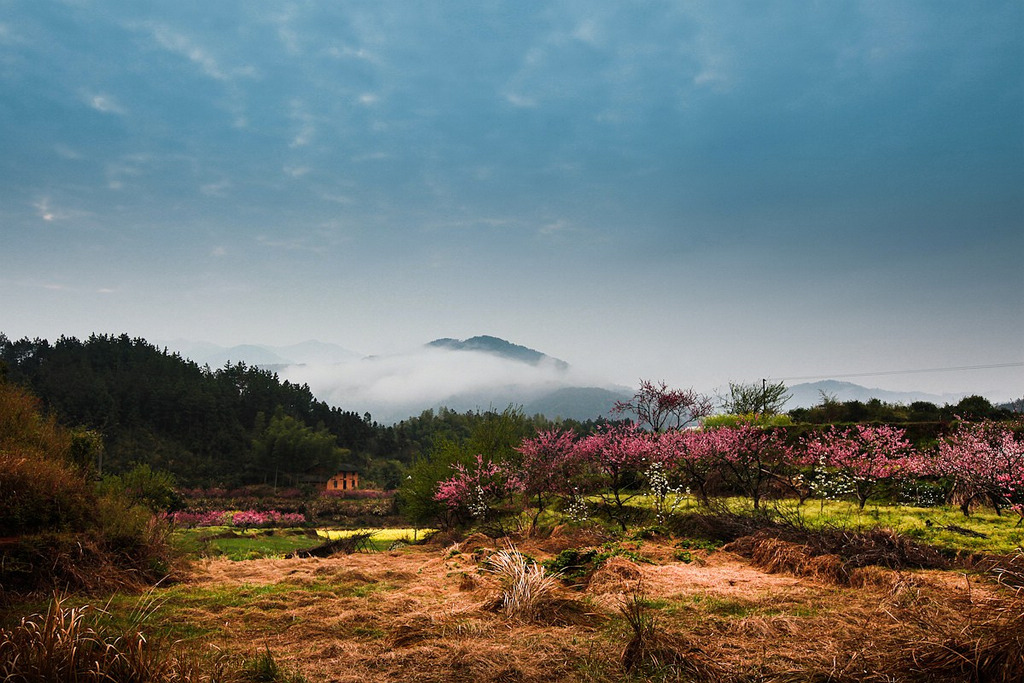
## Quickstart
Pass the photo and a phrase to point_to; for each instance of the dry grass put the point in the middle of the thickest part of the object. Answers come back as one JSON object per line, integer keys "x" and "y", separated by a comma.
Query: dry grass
{"x": 67, "y": 644}
{"x": 432, "y": 614}
{"x": 528, "y": 593}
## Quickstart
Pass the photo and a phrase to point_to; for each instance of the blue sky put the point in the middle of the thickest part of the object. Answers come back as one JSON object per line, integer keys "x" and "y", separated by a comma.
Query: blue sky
{"x": 695, "y": 192}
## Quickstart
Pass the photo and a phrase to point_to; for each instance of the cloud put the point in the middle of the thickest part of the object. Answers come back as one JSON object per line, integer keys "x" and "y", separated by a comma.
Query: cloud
{"x": 304, "y": 123}
{"x": 557, "y": 227}
{"x": 216, "y": 189}
{"x": 396, "y": 386}
{"x": 296, "y": 171}
{"x": 337, "y": 198}
{"x": 48, "y": 212}
{"x": 295, "y": 244}
{"x": 522, "y": 101}
{"x": 182, "y": 45}
{"x": 44, "y": 210}
{"x": 65, "y": 152}
{"x": 105, "y": 104}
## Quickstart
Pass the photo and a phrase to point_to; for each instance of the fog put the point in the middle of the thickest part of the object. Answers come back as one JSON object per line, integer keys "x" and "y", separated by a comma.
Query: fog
{"x": 393, "y": 387}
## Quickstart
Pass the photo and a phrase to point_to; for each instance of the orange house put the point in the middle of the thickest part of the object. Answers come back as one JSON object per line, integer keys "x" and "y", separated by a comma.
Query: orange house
{"x": 345, "y": 480}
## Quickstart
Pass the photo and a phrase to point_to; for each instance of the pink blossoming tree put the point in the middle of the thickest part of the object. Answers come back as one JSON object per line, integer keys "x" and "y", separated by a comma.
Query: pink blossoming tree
{"x": 548, "y": 467}
{"x": 657, "y": 407}
{"x": 475, "y": 488}
{"x": 612, "y": 462}
{"x": 751, "y": 458}
{"x": 863, "y": 456}
{"x": 986, "y": 462}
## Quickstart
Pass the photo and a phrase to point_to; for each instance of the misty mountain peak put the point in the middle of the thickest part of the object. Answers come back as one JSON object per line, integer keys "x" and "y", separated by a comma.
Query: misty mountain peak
{"x": 498, "y": 347}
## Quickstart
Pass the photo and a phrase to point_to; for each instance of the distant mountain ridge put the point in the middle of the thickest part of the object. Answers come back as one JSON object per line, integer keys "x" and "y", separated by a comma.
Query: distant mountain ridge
{"x": 307, "y": 352}
{"x": 497, "y": 347}
{"x": 810, "y": 394}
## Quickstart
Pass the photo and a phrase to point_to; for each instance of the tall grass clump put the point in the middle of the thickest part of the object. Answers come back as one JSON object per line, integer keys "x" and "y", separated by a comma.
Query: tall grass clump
{"x": 526, "y": 587}
{"x": 264, "y": 668}
{"x": 86, "y": 644}
{"x": 652, "y": 652}
{"x": 71, "y": 644}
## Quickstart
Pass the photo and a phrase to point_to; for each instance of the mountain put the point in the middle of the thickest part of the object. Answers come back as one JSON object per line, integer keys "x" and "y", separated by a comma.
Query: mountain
{"x": 307, "y": 352}
{"x": 810, "y": 394}
{"x": 498, "y": 347}
{"x": 577, "y": 403}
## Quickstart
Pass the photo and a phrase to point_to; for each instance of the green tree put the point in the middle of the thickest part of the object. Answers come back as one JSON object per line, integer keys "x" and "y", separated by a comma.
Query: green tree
{"x": 288, "y": 447}
{"x": 756, "y": 399}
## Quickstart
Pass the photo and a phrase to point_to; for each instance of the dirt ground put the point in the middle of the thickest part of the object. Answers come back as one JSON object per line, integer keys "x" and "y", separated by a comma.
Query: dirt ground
{"x": 426, "y": 613}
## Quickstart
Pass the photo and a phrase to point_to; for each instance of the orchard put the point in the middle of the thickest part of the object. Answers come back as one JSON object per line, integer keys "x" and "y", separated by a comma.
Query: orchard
{"x": 665, "y": 451}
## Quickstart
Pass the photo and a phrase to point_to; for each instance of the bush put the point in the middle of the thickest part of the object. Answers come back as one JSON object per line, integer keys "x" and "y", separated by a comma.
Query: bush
{"x": 732, "y": 420}
{"x": 65, "y": 534}
{"x": 144, "y": 486}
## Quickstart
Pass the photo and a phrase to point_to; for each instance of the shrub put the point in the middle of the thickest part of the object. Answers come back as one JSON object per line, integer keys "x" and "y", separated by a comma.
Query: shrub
{"x": 145, "y": 486}
{"x": 578, "y": 563}
{"x": 66, "y": 534}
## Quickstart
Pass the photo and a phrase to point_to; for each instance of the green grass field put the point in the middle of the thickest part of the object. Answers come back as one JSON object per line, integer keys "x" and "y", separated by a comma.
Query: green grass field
{"x": 253, "y": 544}
{"x": 942, "y": 526}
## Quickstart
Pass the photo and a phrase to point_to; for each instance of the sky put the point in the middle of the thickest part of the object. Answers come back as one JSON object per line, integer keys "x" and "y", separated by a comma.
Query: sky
{"x": 682, "y": 191}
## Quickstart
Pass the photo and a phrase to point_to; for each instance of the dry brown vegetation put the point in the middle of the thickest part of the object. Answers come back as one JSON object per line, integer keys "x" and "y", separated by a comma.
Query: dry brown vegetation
{"x": 441, "y": 612}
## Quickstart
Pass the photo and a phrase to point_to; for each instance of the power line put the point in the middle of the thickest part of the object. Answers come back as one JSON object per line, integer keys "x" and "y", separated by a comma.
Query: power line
{"x": 905, "y": 372}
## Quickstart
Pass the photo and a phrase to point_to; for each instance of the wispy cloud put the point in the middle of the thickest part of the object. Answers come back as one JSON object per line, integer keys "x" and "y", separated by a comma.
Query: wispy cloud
{"x": 127, "y": 167}
{"x": 305, "y": 124}
{"x": 217, "y": 189}
{"x": 560, "y": 226}
{"x": 201, "y": 56}
{"x": 44, "y": 210}
{"x": 65, "y": 152}
{"x": 301, "y": 243}
{"x": 296, "y": 171}
{"x": 106, "y": 104}
{"x": 518, "y": 100}
{"x": 337, "y": 198}
{"x": 50, "y": 211}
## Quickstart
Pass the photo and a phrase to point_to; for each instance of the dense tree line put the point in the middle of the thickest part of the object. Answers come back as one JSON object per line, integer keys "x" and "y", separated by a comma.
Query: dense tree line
{"x": 155, "y": 407}
{"x": 832, "y": 411}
